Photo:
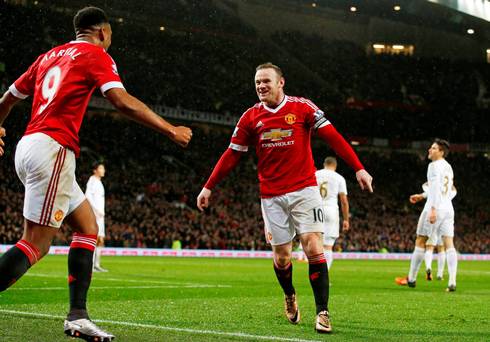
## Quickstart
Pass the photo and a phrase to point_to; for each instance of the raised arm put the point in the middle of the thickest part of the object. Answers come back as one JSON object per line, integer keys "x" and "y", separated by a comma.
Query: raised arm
{"x": 136, "y": 110}
{"x": 7, "y": 102}
{"x": 342, "y": 148}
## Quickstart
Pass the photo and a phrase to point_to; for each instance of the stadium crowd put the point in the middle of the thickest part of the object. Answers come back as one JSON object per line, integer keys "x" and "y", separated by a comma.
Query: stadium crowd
{"x": 203, "y": 50}
{"x": 151, "y": 188}
{"x": 151, "y": 185}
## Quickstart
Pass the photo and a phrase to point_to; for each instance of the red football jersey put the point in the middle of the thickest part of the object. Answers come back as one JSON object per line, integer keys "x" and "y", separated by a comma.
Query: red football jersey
{"x": 282, "y": 140}
{"x": 61, "y": 82}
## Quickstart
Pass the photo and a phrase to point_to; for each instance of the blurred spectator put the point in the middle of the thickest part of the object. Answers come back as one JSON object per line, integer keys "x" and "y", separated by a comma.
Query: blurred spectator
{"x": 207, "y": 54}
{"x": 150, "y": 199}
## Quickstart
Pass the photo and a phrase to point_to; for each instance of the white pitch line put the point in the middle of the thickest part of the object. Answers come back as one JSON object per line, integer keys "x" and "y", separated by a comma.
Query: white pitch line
{"x": 167, "y": 328}
{"x": 43, "y": 275}
{"x": 122, "y": 287}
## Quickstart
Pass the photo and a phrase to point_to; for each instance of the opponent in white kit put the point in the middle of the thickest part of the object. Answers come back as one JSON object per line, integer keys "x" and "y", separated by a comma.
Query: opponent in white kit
{"x": 332, "y": 186}
{"x": 435, "y": 240}
{"x": 437, "y": 216}
{"x": 95, "y": 194}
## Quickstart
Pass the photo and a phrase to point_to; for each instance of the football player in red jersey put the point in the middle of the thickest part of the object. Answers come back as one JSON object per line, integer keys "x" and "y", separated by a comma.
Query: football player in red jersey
{"x": 61, "y": 82}
{"x": 280, "y": 128}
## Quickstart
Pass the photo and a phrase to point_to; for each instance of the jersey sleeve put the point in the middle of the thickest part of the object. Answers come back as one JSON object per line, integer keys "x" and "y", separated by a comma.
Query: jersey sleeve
{"x": 24, "y": 86}
{"x": 90, "y": 192}
{"x": 103, "y": 72}
{"x": 315, "y": 117}
{"x": 242, "y": 135}
{"x": 342, "y": 186}
{"x": 318, "y": 177}
{"x": 433, "y": 192}
{"x": 453, "y": 193}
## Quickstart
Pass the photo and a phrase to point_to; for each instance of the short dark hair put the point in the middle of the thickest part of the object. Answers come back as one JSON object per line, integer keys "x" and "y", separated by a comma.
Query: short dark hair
{"x": 269, "y": 65}
{"x": 88, "y": 17}
{"x": 330, "y": 161}
{"x": 443, "y": 146}
{"x": 96, "y": 164}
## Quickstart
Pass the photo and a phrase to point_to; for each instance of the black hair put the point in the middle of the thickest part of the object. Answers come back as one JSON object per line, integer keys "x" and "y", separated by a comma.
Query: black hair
{"x": 88, "y": 17}
{"x": 443, "y": 146}
{"x": 96, "y": 164}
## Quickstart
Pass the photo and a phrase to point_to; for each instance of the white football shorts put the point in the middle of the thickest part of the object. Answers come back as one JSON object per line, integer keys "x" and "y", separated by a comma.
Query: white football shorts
{"x": 47, "y": 171}
{"x": 435, "y": 239}
{"x": 444, "y": 225}
{"x": 293, "y": 213}
{"x": 331, "y": 225}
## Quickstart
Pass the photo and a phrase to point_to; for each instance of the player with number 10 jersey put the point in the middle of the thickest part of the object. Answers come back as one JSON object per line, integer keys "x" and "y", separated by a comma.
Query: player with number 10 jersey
{"x": 61, "y": 82}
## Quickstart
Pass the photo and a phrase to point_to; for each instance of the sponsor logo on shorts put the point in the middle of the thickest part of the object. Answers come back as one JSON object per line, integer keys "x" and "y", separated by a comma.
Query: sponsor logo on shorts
{"x": 58, "y": 215}
{"x": 269, "y": 236}
{"x": 290, "y": 118}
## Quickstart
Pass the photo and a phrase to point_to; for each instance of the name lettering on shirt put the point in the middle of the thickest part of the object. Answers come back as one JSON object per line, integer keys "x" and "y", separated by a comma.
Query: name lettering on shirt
{"x": 70, "y": 52}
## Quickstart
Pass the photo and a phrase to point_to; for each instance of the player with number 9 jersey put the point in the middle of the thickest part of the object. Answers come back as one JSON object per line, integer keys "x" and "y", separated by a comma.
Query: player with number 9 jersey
{"x": 61, "y": 82}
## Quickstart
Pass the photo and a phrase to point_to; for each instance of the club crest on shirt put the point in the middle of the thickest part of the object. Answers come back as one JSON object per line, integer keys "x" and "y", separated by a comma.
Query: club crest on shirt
{"x": 58, "y": 215}
{"x": 276, "y": 134}
{"x": 290, "y": 118}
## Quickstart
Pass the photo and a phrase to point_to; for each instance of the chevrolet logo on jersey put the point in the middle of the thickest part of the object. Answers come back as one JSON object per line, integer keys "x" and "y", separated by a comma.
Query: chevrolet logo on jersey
{"x": 276, "y": 134}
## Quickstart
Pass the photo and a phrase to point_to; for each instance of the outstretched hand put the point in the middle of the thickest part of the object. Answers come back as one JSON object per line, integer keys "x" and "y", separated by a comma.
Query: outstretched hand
{"x": 365, "y": 180}
{"x": 416, "y": 198}
{"x": 203, "y": 199}
{"x": 2, "y": 144}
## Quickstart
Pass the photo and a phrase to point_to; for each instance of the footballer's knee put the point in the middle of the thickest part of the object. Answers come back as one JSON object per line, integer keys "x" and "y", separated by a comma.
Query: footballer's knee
{"x": 421, "y": 241}
{"x": 448, "y": 242}
{"x": 312, "y": 244}
{"x": 282, "y": 259}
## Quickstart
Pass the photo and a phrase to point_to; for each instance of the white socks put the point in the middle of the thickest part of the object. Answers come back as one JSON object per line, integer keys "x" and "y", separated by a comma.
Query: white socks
{"x": 441, "y": 262}
{"x": 329, "y": 257}
{"x": 428, "y": 259}
{"x": 97, "y": 256}
{"x": 452, "y": 265}
{"x": 415, "y": 262}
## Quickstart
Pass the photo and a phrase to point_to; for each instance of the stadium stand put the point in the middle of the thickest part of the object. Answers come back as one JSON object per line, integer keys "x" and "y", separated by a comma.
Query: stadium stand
{"x": 151, "y": 191}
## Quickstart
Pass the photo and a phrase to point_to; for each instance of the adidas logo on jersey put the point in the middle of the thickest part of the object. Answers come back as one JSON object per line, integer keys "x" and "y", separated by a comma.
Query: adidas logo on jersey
{"x": 259, "y": 124}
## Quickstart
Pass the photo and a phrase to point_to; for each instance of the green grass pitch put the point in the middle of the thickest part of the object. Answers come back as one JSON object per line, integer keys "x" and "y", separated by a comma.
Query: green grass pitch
{"x": 187, "y": 299}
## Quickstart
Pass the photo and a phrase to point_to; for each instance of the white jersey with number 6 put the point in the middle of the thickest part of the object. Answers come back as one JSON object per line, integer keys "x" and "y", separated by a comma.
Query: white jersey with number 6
{"x": 331, "y": 184}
